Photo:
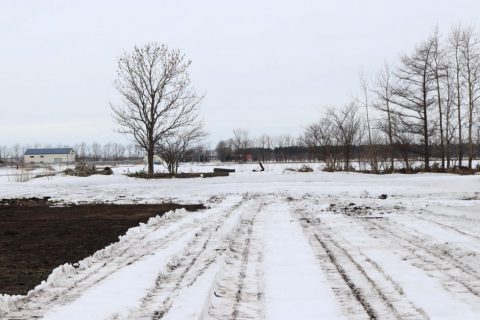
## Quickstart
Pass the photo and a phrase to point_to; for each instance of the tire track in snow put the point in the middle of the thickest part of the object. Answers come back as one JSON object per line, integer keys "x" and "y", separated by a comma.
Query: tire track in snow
{"x": 447, "y": 227}
{"x": 377, "y": 293}
{"x": 238, "y": 290}
{"x": 432, "y": 258}
{"x": 39, "y": 302}
{"x": 186, "y": 268}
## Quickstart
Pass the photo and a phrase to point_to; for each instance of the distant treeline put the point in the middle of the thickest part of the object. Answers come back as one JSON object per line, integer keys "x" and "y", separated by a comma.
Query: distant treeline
{"x": 95, "y": 152}
{"x": 84, "y": 151}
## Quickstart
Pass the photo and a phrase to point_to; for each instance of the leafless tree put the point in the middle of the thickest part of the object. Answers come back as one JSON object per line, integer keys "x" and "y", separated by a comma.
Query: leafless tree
{"x": 438, "y": 67}
{"x": 320, "y": 138}
{"x": 17, "y": 152}
{"x": 173, "y": 148}
{"x": 454, "y": 48}
{"x": 240, "y": 142}
{"x": 96, "y": 150}
{"x": 81, "y": 150}
{"x": 364, "y": 85}
{"x": 347, "y": 129}
{"x": 449, "y": 103}
{"x": 157, "y": 96}
{"x": 264, "y": 143}
{"x": 470, "y": 51}
{"x": 414, "y": 95}
{"x": 384, "y": 93}
{"x": 224, "y": 150}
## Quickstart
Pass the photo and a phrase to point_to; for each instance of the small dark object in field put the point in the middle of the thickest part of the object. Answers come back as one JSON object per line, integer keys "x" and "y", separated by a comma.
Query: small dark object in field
{"x": 215, "y": 174}
{"x": 383, "y": 197}
{"x": 223, "y": 170}
{"x": 188, "y": 175}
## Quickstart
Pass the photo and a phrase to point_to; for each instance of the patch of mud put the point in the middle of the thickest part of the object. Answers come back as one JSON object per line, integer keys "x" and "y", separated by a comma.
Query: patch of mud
{"x": 354, "y": 209}
{"x": 36, "y": 235}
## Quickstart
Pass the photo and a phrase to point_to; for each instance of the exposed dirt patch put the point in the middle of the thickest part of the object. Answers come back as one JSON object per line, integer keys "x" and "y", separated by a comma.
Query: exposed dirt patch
{"x": 35, "y": 237}
{"x": 361, "y": 210}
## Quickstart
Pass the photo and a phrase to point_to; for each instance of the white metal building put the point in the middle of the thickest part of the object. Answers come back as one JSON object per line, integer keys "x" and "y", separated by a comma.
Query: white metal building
{"x": 49, "y": 156}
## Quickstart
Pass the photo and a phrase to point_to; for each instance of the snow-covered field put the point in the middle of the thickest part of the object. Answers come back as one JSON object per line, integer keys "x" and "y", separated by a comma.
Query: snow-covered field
{"x": 275, "y": 245}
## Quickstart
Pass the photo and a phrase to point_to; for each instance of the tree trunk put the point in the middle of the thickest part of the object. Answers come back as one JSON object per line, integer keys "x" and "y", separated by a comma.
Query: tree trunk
{"x": 150, "y": 153}
{"x": 459, "y": 112}
{"x": 440, "y": 113}
{"x": 425, "y": 130}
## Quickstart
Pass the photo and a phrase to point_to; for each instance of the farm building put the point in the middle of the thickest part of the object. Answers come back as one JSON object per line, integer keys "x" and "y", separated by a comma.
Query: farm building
{"x": 49, "y": 156}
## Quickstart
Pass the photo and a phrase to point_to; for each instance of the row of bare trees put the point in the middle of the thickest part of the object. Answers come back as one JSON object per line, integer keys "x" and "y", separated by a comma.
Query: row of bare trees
{"x": 427, "y": 106}
{"x": 431, "y": 98}
{"x": 266, "y": 148}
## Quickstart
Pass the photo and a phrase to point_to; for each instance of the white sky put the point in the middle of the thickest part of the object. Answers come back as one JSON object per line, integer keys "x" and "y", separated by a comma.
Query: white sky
{"x": 265, "y": 66}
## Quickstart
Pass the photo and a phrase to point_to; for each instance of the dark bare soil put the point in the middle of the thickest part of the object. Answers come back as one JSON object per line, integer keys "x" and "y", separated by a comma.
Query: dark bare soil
{"x": 35, "y": 238}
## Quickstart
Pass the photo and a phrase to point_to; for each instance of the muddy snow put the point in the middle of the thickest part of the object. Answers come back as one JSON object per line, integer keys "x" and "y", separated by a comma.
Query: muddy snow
{"x": 271, "y": 245}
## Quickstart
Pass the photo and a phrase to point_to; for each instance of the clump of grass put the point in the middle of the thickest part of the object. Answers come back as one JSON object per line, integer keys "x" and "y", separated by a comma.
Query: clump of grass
{"x": 23, "y": 175}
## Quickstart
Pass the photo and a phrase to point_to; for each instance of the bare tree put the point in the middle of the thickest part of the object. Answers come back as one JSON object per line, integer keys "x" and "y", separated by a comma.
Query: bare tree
{"x": 384, "y": 92}
{"x": 224, "y": 150}
{"x": 17, "y": 152}
{"x": 470, "y": 50}
{"x": 347, "y": 129}
{"x": 455, "y": 44}
{"x": 449, "y": 103}
{"x": 241, "y": 143}
{"x": 157, "y": 98}
{"x": 413, "y": 95}
{"x": 96, "y": 150}
{"x": 173, "y": 148}
{"x": 371, "y": 150}
{"x": 438, "y": 67}
{"x": 320, "y": 138}
{"x": 81, "y": 150}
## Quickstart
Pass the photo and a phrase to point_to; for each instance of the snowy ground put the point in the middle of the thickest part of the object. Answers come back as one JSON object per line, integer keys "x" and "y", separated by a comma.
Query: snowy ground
{"x": 273, "y": 245}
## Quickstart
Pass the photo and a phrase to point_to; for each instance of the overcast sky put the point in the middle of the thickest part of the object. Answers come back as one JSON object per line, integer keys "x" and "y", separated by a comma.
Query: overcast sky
{"x": 265, "y": 66}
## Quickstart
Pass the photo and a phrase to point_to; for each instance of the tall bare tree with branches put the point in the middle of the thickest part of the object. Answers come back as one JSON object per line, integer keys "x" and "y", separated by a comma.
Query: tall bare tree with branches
{"x": 454, "y": 49}
{"x": 414, "y": 95}
{"x": 384, "y": 93}
{"x": 156, "y": 93}
{"x": 438, "y": 66}
{"x": 470, "y": 51}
